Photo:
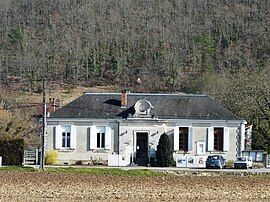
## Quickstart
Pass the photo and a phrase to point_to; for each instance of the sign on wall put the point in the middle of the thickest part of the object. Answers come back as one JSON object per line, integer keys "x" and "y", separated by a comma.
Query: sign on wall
{"x": 201, "y": 148}
{"x": 181, "y": 161}
{"x": 191, "y": 161}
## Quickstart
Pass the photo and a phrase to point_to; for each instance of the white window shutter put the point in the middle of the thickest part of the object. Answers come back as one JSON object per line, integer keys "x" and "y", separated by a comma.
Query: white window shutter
{"x": 108, "y": 137}
{"x": 73, "y": 136}
{"x": 176, "y": 139}
{"x": 93, "y": 137}
{"x": 226, "y": 139}
{"x": 190, "y": 139}
{"x": 58, "y": 137}
{"x": 210, "y": 137}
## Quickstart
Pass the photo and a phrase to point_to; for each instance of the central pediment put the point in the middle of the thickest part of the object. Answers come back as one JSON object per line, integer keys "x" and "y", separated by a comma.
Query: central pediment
{"x": 143, "y": 108}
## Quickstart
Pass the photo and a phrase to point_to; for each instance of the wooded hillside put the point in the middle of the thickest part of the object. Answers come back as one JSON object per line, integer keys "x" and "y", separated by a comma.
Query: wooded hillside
{"x": 221, "y": 48}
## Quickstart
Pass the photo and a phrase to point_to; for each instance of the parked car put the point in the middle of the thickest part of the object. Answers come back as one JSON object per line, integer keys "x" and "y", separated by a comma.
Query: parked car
{"x": 215, "y": 161}
{"x": 243, "y": 162}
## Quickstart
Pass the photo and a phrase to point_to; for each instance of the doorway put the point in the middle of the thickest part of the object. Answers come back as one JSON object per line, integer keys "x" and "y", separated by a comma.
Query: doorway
{"x": 142, "y": 148}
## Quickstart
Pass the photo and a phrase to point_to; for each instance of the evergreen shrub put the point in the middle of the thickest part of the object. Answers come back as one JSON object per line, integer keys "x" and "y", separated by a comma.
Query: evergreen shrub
{"x": 164, "y": 154}
{"x": 12, "y": 151}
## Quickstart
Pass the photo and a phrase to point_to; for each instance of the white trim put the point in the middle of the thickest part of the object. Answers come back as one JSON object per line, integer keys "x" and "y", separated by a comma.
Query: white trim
{"x": 93, "y": 137}
{"x": 70, "y": 121}
{"x": 58, "y": 137}
{"x": 212, "y": 122}
{"x": 108, "y": 137}
{"x": 226, "y": 139}
{"x": 73, "y": 136}
{"x": 210, "y": 139}
{"x": 176, "y": 138}
{"x": 242, "y": 137}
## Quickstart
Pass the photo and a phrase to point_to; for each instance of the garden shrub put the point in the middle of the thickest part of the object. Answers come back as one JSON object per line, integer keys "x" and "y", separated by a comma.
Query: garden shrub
{"x": 51, "y": 157}
{"x": 12, "y": 151}
{"x": 164, "y": 154}
{"x": 258, "y": 165}
{"x": 230, "y": 164}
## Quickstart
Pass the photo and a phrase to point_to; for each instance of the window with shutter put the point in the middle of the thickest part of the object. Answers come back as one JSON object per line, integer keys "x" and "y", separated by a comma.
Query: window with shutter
{"x": 65, "y": 137}
{"x": 99, "y": 137}
{"x": 183, "y": 138}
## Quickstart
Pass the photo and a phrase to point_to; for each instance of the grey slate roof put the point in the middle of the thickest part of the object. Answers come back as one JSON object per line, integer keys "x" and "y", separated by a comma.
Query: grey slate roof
{"x": 165, "y": 106}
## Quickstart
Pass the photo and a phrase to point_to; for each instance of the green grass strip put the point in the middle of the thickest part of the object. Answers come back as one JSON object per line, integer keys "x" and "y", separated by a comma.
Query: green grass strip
{"x": 18, "y": 168}
{"x": 107, "y": 171}
{"x": 85, "y": 170}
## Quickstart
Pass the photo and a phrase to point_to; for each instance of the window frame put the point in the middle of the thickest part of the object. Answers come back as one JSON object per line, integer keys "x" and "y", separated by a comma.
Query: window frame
{"x": 183, "y": 139}
{"x": 66, "y": 139}
{"x": 218, "y": 139}
{"x": 100, "y": 140}
{"x": 101, "y": 137}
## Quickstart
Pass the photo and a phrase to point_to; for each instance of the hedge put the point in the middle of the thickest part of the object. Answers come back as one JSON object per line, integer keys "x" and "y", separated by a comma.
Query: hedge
{"x": 12, "y": 151}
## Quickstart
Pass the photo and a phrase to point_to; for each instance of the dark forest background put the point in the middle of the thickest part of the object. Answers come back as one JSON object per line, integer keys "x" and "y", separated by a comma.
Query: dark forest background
{"x": 215, "y": 47}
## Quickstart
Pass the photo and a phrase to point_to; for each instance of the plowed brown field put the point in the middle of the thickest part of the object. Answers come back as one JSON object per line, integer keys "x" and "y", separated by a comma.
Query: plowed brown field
{"x": 44, "y": 186}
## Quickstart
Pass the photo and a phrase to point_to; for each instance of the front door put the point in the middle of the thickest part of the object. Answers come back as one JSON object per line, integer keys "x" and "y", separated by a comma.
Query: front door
{"x": 142, "y": 148}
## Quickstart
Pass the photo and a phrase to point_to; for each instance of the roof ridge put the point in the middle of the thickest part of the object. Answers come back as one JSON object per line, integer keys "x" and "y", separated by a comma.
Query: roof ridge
{"x": 151, "y": 94}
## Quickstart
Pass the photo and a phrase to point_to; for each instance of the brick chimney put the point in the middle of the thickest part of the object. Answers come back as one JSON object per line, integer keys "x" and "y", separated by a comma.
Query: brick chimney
{"x": 52, "y": 104}
{"x": 124, "y": 98}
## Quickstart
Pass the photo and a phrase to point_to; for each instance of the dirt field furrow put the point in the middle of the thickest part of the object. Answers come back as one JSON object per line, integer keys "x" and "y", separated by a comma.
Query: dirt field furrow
{"x": 36, "y": 186}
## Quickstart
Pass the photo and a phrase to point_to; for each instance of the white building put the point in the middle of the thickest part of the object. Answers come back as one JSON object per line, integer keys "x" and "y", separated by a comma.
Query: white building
{"x": 96, "y": 125}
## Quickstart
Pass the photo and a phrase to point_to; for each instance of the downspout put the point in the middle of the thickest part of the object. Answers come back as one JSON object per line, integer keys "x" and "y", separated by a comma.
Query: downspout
{"x": 133, "y": 148}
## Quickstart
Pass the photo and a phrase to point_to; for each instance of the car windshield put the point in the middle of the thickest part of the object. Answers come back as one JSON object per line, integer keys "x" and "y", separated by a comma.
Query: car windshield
{"x": 241, "y": 158}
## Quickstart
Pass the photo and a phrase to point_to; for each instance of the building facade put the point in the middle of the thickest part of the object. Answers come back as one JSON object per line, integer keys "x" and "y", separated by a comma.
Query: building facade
{"x": 97, "y": 125}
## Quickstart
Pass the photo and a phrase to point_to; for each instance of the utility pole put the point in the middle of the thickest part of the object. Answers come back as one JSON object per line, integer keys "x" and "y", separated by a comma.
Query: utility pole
{"x": 44, "y": 123}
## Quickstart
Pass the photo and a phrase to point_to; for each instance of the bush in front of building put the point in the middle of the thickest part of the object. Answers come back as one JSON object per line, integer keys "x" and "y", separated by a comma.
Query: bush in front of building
{"x": 164, "y": 154}
{"x": 12, "y": 151}
{"x": 51, "y": 157}
{"x": 229, "y": 164}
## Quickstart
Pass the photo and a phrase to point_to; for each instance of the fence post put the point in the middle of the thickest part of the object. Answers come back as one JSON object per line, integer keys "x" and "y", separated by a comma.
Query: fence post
{"x": 36, "y": 154}
{"x": 24, "y": 153}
